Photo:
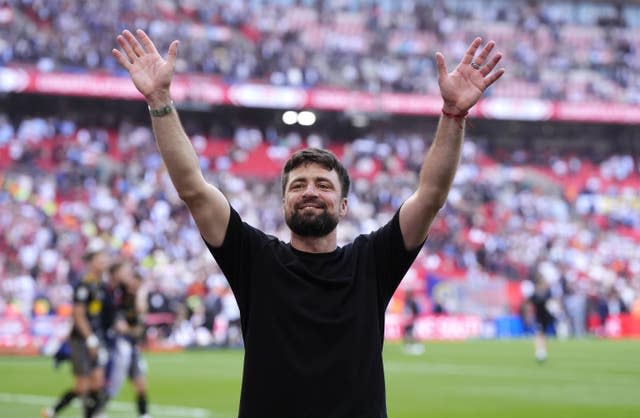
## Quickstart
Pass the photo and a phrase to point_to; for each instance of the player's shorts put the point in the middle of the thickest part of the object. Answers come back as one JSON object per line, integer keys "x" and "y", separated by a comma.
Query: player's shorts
{"x": 82, "y": 362}
{"x": 543, "y": 321}
{"x": 126, "y": 362}
{"x": 137, "y": 366}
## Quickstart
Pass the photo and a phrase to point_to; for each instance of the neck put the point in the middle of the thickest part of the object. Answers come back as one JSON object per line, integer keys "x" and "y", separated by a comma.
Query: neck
{"x": 324, "y": 244}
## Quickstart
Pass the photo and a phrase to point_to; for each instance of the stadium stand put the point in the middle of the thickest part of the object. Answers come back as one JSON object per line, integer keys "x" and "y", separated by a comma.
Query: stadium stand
{"x": 573, "y": 51}
{"x": 530, "y": 199}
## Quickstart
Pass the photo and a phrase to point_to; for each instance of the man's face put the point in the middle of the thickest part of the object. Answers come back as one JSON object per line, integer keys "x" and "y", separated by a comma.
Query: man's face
{"x": 312, "y": 201}
{"x": 99, "y": 262}
{"x": 122, "y": 275}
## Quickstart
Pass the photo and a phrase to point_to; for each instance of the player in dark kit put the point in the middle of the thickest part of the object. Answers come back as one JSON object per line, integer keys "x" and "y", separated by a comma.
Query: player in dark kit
{"x": 411, "y": 314}
{"x": 312, "y": 313}
{"x": 542, "y": 317}
{"x": 88, "y": 353}
{"x": 126, "y": 360}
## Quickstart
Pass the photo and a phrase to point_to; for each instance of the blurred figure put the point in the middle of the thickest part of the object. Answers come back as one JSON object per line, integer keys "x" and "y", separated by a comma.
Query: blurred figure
{"x": 125, "y": 357}
{"x": 411, "y": 313}
{"x": 541, "y": 316}
{"x": 575, "y": 302}
{"x": 87, "y": 344}
{"x": 615, "y": 304}
{"x": 231, "y": 314}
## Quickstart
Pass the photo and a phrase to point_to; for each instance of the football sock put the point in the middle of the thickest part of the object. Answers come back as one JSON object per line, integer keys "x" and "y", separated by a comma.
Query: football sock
{"x": 64, "y": 400}
{"x": 89, "y": 404}
{"x": 142, "y": 403}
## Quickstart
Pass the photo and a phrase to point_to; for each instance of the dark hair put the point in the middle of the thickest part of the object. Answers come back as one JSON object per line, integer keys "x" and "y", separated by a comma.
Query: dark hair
{"x": 90, "y": 255}
{"x": 324, "y": 158}
{"x": 113, "y": 268}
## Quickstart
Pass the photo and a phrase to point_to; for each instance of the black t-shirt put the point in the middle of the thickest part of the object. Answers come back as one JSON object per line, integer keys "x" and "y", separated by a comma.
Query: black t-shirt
{"x": 313, "y": 324}
{"x": 92, "y": 296}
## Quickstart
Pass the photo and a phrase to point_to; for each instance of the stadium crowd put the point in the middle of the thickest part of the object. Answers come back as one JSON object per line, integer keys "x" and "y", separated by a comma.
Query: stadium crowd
{"x": 513, "y": 214}
{"x": 557, "y": 50}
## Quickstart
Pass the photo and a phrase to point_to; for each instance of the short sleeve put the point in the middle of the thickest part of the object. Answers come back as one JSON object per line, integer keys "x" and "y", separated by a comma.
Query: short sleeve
{"x": 393, "y": 260}
{"x": 81, "y": 293}
{"x": 241, "y": 244}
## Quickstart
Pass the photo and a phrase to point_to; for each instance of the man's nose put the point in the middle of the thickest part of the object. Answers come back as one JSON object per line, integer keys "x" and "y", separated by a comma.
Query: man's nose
{"x": 310, "y": 190}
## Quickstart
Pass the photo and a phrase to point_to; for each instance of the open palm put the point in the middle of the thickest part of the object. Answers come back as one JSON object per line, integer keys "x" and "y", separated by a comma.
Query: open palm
{"x": 150, "y": 73}
{"x": 462, "y": 87}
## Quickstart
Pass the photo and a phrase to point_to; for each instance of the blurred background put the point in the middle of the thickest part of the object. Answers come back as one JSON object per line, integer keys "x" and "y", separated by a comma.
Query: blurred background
{"x": 548, "y": 187}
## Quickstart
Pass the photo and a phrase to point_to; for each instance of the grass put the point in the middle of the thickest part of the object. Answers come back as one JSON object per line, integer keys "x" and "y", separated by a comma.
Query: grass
{"x": 480, "y": 379}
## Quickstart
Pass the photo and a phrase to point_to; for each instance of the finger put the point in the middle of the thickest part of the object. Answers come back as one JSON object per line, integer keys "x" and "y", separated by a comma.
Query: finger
{"x": 121, "y": 58}
{"x": 147, "y": 43}
{"x": 493, "y": 77}
{"x": 173, "y": 52}
{"x": 135, "y": 45}
{"x": 471, "y": 52}
{"x": 442, "y": 67}
{"x": 491, "y": 64}
{"x": 484, "y": 53}
{"x": 126, "y": 47}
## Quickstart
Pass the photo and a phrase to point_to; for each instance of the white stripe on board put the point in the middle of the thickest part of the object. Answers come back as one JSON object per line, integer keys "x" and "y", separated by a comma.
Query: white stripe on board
{"x": 157, "y": 409}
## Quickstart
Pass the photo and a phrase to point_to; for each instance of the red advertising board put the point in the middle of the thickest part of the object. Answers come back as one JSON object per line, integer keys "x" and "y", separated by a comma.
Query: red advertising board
{"x": 622, "y": 326}
{"x": 204, "y": 89}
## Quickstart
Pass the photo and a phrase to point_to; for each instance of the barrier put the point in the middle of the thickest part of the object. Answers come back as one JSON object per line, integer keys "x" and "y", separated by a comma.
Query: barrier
{"x": 31, "y": 336}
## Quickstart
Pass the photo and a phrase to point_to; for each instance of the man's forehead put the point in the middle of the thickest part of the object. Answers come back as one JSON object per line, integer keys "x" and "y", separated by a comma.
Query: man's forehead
{"x": 312, "y": 170}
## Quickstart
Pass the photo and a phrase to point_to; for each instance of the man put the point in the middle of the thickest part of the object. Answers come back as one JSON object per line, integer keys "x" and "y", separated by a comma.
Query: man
{"x": 312, "y": 313}
{"x": 88, "y": 355}
{"x": 542, "y": 317}
{"x": 411, "y": 314}
{"x": 125, "y": 353}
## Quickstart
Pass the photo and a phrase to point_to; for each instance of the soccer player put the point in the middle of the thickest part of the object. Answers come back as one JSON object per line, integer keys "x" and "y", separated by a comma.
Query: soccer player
{"x": 542, "y": 317}
{"x": 411, "y": 314}
{"x": 312, "y": 313}
{"x": 126, "y": 360}
{"x": 88, "y": 354}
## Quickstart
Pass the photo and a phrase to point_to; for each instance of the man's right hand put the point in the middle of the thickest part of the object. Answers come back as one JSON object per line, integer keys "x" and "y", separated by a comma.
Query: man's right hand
{"x": 150, "y": 73}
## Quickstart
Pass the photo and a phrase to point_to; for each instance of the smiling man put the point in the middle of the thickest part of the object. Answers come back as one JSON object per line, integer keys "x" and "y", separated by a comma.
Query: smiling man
{"x": 312, "y": 313}
{"x": 314, "y": 188}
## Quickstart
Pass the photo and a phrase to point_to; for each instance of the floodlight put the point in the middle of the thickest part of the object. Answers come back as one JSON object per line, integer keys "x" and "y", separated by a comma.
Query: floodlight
{"x": 306, "y": 118}
{"x": 290, "y": 117}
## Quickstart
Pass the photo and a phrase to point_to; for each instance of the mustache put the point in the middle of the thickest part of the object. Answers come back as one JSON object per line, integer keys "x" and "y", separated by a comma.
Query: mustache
{"x": 311, "y": 201}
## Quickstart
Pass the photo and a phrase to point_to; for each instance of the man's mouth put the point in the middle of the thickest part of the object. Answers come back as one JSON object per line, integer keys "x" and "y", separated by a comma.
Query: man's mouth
{"x": 310, "y": 205}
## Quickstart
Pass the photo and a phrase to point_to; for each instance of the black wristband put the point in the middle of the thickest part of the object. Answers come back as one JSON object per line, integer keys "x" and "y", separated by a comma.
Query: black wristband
{"x": 162, "y": 111}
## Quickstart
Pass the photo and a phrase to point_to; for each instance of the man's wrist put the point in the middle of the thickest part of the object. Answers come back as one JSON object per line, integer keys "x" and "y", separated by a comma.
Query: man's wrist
{"x": 458, "y": 117}
{"x": 162, "y": 109}
{"x": 452, "y": 109}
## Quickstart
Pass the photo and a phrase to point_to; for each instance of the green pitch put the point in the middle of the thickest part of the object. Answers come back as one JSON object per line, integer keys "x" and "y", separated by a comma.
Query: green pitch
{"x": 478, "y": 379}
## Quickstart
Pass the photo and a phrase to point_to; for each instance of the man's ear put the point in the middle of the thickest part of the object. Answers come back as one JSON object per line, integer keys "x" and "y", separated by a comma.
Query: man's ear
{"x": 343, "y": 207}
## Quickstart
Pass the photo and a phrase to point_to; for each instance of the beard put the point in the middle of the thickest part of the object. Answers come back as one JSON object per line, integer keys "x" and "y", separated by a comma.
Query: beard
{"x": 311, "y": 225}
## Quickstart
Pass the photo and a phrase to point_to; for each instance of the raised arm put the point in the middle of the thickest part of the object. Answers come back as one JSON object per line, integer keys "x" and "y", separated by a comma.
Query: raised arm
{"x": 152, "y": 76}
{"x": 460, "y": 90}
